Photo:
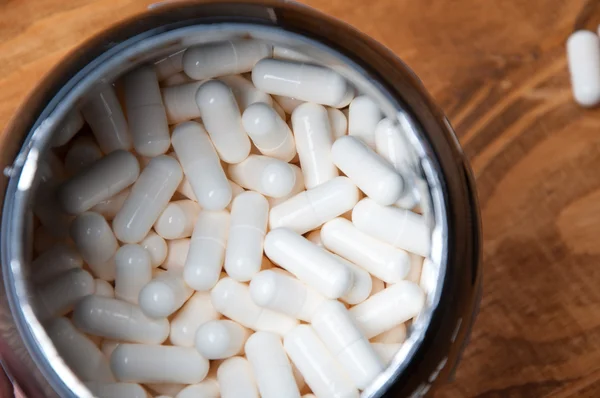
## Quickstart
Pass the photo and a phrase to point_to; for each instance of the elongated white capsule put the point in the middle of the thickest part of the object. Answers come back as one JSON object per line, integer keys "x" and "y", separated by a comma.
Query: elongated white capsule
{"x": 338, "y": 122}
{"x": 378, "y": 258}
{"x": 391, "y": 145}
{"x": 298, "y": 187}
{"x": 82, "y": 153}
{"x": 100, "y": 181}
{"x": 140, "y": 363}
{"x": 306, "y": 82}
{"x": 169, "y": 66}
{"x": 583, "y": 55}
{"x": 314, "y": 140}
{"x": 118, "y": 320}
{"x": 165, "y": 294}
{"x": 229, "y": 57}
{"x": 109, "y": 208}
{"x": 156, "y": 247}
{"x": 96, "y": 242}
{"x": 363, "y": 116}
{"x": 394, "y": 305}
{"x": 180, "y": 102}
{"x": 177, "y": 220}
{"x": 54, "y": 261}
{"x": 57, "y": 296}
{"x": 369, "y": 171}
{"x": 221, "y": 339}
{"x": 103, "y": 288}
{"x": 361, "y": 289}
{"x": 208, "y": 388}
{"x": 336, "y": 327}
{"x": 134, "y": 271}
{"x": 386, "y": 352}
{"x": 207, "y": 250}
{"x": 201, "y": 166}
{"x": 196, "y": 311}
{"x": 291, "y": 55}
{"x": 69, "y": 126}
{"x": 322, "y": 372}
{"x": 244, "y": 92}
{"x": 233, "y": 300}
{"x": 398, "y": 227}
{"x": 102, "y": 111}
{"x": 268, "y": 176}
{"x": 271, "y": 366}
{"x": 236, "y": 379}
{"x": 281, "y": 292}
{"x": 308, "y": 262}
{"x": 148, "y": 198}
{"x": 269, "y": 132}
{"x": 395, "y": 335}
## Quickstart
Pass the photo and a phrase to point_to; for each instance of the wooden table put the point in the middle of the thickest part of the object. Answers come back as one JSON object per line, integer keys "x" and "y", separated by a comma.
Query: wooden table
{"x": 498, "y": 70}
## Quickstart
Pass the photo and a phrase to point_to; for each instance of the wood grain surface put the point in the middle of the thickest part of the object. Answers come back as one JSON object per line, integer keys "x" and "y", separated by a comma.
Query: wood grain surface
{"x": 498, "y": 70}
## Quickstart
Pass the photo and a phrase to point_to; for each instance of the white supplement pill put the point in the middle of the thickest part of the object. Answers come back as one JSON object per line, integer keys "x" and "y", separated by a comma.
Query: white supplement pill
{"x": 363, "y": 116}
{"x": 207, "y": 250}
{"x": 361, "y": 289}
{"x": 134, "y": 271}
{"x": 386, "y": 351}
{"x": 195, "y": 312}
{"x": 336, "y": 327}
{"x": 116, "y": 390}
{"x": 141, "y": 363}
{"x": 229, "y": 57}
{"x": 244, "y": 252}
{"x": 221, "y": 339}
{"x": 169, "y": 66}
{"x": 398, "y": 227}
{"x": 338, "y": 123}
{"x": 109, "y": 208}
{"x": 271, "y": 366}
{"x": 394, "y": 305}
{"x": 156, "y": 247}
{"x": 306, "y": 82}
{"x": 378, "y": 258}
{"x": 281, "y": 292}
{"x": 233, "y": 300}
{"x": 308, "y": 262}
{"x": 201, "y": 166}
{"x": 236, "y": 379}
{"x": 395, "y": 335}
{"x": 583, "y": 56}
{"x": 369, "y": 171}
{"x": 314, "y": 140}
{"x": 269, "y": 132}
{"x": 177, "y": 220}
{"x": 298, "y": 187}
{"x": 391, "y": 145}
{"x": 180, "y": 102}
{"x": 54, "y": 261}
{"x": 82, "y": 153}
{"x": 118, "y": 320}
{"x": 57, "y": 296}
{"x": 96, "y": 242}
{"x": 223, "y": 121}
{"x": 78, "y": 351}
{"x": 148, "y": 198}
{"x": 69, "y": 126}
{"x": 207, "y": 388}
{"x": 286, "y": 103}
{"x": 291, "y": 55}
{"x": 145, "y": 112}
{"x": 268, "y": 176}
{"x": 102, "y": 111}
{"x": 311, "y": 209}
{"x": 103, "y": 288}
{"x": 165, "y": 294}
{"x": 244, "y": 92}
{"x": 323, "y": 374}
{"x": 177, "y": 252}
{"x": 100, "y": 181}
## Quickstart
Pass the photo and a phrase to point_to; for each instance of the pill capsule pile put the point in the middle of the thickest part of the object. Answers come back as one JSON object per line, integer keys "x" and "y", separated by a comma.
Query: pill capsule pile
{"x": 205, "y": 232}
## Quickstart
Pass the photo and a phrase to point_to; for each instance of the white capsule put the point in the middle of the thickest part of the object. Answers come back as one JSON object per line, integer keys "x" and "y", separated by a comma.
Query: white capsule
{"x": 306, "y": 82}
{"x": 395, "y": 335}
{"x": 268, "y": 176}
{"x": 394, "y": 305}
{"x": 156, "y": 247}
{"x": 314, "y": 140}
{"x": 308, "y": 262}
{"x": 271, "y": 366}
{"x": 298, "y": 187}
{"x": 233, "y": 300}
{"x": 175, "y": 80}
{"x": 369, "y": 171}
{"x": 108, "y": 346}
{"x": 583, "y": 55}
{"x": 391, "y": 145}
{"x": 177, "y": 252}
{"x": 116, "y": 390}
{"x": 177, "y": 220}
{"x": 378, "y": 258}
{"x": 103, "y": 288}
{"x": 141, "y": 363}
{"x": 82, "y": 153}
{"x": 100, "y": 181}
{"x": 244, "y": 92}
{"x": 96, "y": 242}
{"x": 236, "y": 379}
{"x": 281, "y": 292}
{"x": 269, "y": 132}
{"x": 311, "y": 209}
{"x": 208, "y": 388}
{"x": 118, "y": 320}
{"x": 134, "y": 271}
{"x": 290, "y": 55}
{"x": 223, "y": 58}
{"x": 145, "y": 112}
{"x": 201, "y": 166}
{"x": 223, "y": 121}
{"x": 54, "y": 261}
{"x": 286, "y": 103}
{"x": 165, "y": 294}
{"x": 398, "y": 227}
{"x": 336, "y": 327}
{"x": 197, "y": 311}
{"x": 363, "y": 116}
{"x": 361, "y": 289}
{"x": 109, "y": 208}
{"x": 429, "y": 277}
{"x": 322, "y": 372}
{"x": 338, "y": 123}
{"x": 148, "y": 198}
{"x": 180, "y": 102}
{"x": 102, "y": 111}
{"x": 57, "y": 296}
{"x": 69, "y": 126}
{"x": 386, "y": 352}
{"x": 207, "y": 250}
{"x": 243, "y": 255}
{"x": 221, "y": 339}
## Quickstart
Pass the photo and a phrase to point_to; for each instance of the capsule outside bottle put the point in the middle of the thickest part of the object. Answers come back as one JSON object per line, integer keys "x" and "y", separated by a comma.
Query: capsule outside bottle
{"x": 583, "y": 56}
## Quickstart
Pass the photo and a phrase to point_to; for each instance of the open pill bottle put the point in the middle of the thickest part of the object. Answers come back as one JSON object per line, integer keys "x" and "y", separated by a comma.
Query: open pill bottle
{"x": 438, "y": 171}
